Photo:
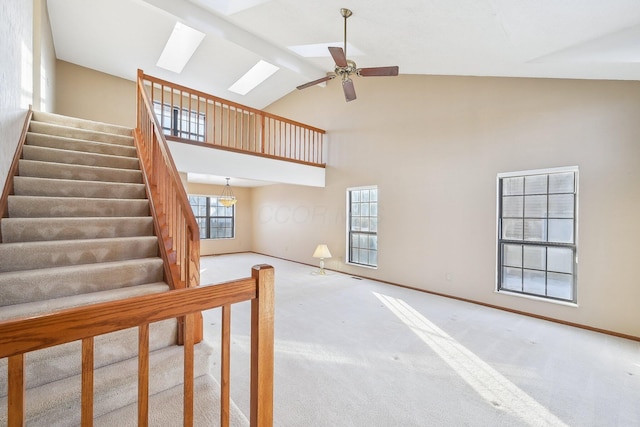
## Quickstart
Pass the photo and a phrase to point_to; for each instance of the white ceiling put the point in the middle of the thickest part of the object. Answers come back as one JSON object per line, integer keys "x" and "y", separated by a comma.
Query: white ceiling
{"x": 584, "y": 39}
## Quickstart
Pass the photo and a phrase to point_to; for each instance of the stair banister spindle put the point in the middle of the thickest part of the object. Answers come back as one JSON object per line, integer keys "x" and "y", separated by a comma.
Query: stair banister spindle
{"x": 225, "y": 366}
{"x": 188, "y": 369}
{"x": 87, "y": 382}
{"x": 143, "y": 375}
{"x": 16, "y": 409}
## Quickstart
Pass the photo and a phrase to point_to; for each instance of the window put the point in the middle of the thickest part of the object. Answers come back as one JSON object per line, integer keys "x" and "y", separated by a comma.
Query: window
{"x": 363, "y": 226}
{"x": 214, "y": 220}
{"x": 180, "y": 123}
{"x": 537, "y": 227}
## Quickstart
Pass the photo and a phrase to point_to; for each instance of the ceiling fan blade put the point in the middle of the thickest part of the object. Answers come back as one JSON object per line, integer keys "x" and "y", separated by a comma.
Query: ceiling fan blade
{"x": 349, "y": 90}
{"x": 338, "y": 56}
{"x": 315, "y": 82}
{"x": 378, "y": 71}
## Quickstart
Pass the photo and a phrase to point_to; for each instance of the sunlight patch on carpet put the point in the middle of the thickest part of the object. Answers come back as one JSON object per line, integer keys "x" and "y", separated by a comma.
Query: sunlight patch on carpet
{"x": 486, "y": 381}
{"x": 308, "y": 352}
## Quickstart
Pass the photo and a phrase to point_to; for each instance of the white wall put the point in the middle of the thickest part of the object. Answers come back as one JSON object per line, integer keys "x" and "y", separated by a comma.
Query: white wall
{"x": 16, "y": 75}
{"x": 44, "y": 59}
{"x": 434, "y": 146}
{"x": 27, "y": 52}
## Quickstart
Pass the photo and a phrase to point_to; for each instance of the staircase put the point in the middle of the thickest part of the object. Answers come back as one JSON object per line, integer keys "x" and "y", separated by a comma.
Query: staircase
{"x": 79, "y": 231}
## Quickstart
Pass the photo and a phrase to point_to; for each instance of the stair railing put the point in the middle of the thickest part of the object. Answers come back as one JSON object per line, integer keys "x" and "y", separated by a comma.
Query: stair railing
{"x": 190, "y": 116}
{"x": 175, "y": 223}
{"x": 21, "y": 336}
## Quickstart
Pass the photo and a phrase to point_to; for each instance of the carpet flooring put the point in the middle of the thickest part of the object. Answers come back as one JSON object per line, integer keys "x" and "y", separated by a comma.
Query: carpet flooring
{"x": 355, "y": 352}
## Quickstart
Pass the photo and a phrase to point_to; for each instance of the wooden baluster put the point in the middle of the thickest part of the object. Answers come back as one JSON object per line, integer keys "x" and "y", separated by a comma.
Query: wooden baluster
{"x": 225, "y": 365}
{"x": 189, "y": 117}
{"x": 188, "y": 369}
{"x": 305, "y": 144}
{"x": 143, "y": 375}
{"x": 281, "y": 151}
{"x": 222, "y": 130}
{"x": 235, "y": 128}
{"x": 292, "y": 142}
{"x": 162, "y": 109}
{"x": 16, "y": 391}
{"x": 262, "y": 314}
{"x": 264, "y": 134}
{"x": 315, "y": 146}
{"x": 87, "y": 382}
{"x": 213, "y": 141}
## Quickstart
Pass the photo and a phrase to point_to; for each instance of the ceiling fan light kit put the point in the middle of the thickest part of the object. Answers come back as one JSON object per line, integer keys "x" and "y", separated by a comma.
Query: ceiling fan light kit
{"x": 345, "y": 68}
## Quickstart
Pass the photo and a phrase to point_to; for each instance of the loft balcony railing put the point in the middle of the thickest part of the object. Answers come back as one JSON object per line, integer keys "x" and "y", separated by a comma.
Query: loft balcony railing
{"x": 190, "y": 116}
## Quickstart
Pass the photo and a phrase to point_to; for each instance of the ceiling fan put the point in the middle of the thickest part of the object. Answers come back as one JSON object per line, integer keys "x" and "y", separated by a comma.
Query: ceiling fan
{"x": 345, "y": 68}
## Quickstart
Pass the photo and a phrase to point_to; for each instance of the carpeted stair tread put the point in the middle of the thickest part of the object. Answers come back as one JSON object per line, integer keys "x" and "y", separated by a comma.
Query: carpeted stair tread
{"x": 165, "y": 408}
{"x": 59, "y": 253}
{"x": 40, "y": 169}
{"x": 19, "y": 287}
{"x": 58, "y": 403}
{"x": 33, "y": 186}
{"x": 63, "y": 143}
{"x": 49, "y": 306}
{"x": 74, "y": 122}
{"x": 67, "y": 228}
{"x": 79, "y": 232}
{"x": 58, "y": 362}
{"x": 44, "y": 206}
{"x": 57, "y": 155}
{"x": 79, "y": 133}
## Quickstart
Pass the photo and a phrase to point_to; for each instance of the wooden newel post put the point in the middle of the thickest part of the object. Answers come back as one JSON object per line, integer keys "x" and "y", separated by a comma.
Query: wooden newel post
{"x": 262, "y": 316}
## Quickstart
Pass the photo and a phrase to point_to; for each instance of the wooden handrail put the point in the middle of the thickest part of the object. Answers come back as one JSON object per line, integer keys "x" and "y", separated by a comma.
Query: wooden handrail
{"x": 20, "y": 336}
{"x": 175, "y": 223}
{"x": 189, "y": 115}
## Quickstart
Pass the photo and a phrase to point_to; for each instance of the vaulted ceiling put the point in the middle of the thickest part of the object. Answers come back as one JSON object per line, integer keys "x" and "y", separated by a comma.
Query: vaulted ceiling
{"x": 582, "y": 39}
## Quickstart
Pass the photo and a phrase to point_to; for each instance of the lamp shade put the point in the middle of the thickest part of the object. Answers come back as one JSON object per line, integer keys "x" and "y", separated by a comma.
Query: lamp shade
{"x": 322, "y": 251}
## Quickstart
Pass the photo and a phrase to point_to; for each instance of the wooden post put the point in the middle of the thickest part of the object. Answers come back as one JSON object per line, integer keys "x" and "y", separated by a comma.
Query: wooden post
{"x": 262, "y": 316}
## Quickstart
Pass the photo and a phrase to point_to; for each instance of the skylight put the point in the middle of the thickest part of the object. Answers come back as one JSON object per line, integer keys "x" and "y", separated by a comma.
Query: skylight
{"x": 229, "y": 7}
{"x": 320, "y": 49}
{"x": 252, "y": 78}
{"x": 181, "y": 45}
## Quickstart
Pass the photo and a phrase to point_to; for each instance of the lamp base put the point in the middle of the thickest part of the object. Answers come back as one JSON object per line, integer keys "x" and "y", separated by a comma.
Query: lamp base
{"x": 321, "y": 272}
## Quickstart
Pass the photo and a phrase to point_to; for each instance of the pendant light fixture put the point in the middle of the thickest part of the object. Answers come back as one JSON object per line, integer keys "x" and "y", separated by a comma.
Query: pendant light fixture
{"x": 227, "y": 198}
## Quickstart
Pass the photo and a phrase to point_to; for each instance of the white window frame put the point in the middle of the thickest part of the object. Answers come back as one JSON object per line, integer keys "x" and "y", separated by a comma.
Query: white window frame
{"x": 348, "y": 227}
{"x": 209, "y": 217}
{"x": 172, "y": 117}
{"x": 498, "y": 263}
